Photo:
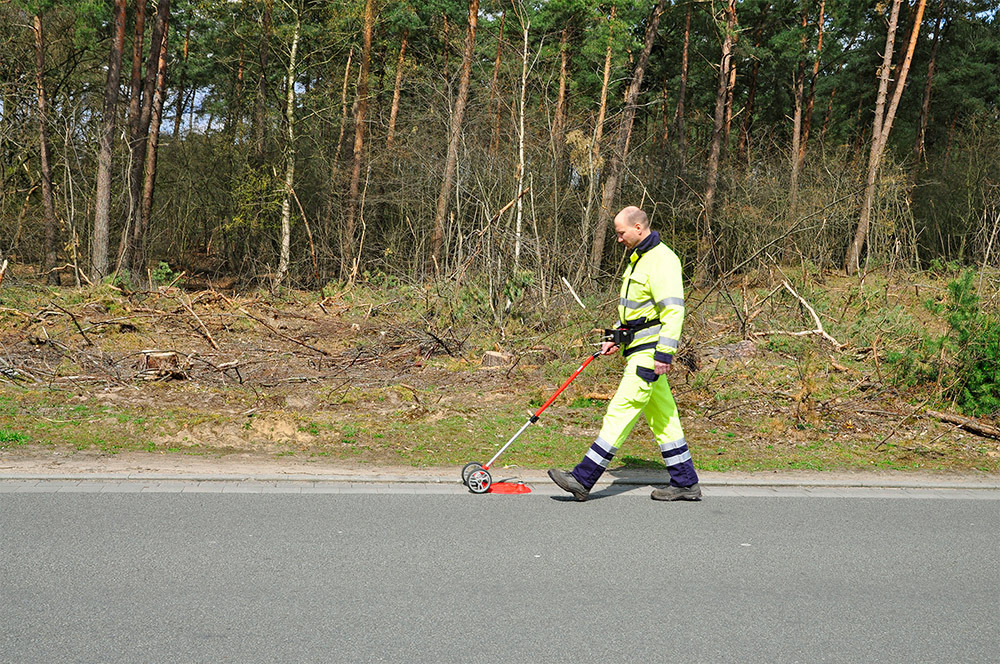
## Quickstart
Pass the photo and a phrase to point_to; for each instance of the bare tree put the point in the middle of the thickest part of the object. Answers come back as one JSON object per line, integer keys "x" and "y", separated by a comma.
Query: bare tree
{"x": 882, "y": 127}
{"x": 451, "y": 160}
{"x": 621, "y": 144}
{"x": 682, "y": 93}
{"x": 102, "y": 201}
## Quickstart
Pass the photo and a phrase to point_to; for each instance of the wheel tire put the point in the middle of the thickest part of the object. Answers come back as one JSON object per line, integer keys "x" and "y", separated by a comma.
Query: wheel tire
{"x": 480, "y": 481}
{"x": 467, "y": 470}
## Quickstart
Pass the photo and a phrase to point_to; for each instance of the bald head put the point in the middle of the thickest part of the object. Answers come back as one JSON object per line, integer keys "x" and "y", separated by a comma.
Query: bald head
{"x": 631, "y": 226}
{"x": 632, "y": 215}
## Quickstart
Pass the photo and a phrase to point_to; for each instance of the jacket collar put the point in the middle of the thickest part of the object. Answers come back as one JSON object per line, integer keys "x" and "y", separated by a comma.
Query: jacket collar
{"x": 651, "y": 241}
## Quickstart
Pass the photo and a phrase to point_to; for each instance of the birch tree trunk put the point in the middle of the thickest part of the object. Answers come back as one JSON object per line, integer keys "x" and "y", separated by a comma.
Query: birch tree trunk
{"x": 618, "y": 156}
{"x": 45, "y": 157}
{"x": 347, "y": 258}
{"x": 495, "y": 116}
{"x": 882, "y": 127}
{"x": 519, "y": 176}
{"x": 102, "y": 199}
{"x": 286, "y": 203}
{"x": 706, "y": 240}
{"x": 447, "y": 184}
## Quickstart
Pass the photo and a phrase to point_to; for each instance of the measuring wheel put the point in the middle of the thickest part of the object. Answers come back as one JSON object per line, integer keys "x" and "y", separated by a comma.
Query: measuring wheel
{"x": 479, "y": 481}
{"x": 467, "y": 470}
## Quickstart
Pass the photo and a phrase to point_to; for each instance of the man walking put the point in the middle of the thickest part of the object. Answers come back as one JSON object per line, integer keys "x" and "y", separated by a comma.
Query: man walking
{"x": 651, "y": 314}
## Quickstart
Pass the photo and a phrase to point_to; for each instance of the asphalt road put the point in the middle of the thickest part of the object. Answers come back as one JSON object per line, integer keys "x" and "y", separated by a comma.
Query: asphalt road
{"x": 275, "y": 577}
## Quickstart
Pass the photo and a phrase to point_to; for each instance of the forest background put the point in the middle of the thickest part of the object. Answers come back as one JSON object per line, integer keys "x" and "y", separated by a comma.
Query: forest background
{"x": 481, "y": 148}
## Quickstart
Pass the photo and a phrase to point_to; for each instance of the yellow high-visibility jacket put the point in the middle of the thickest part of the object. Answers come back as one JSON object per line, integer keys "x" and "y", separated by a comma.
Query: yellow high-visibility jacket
{"x": 652, "y": 289}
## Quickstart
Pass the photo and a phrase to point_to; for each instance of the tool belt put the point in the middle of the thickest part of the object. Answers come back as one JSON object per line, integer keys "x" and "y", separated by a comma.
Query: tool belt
{"x": 625, "y": 334}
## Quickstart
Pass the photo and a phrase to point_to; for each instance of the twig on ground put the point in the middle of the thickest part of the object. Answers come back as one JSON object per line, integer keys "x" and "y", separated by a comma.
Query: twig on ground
{"x": 207, "y": 334}
{"x": 75, "y": 322}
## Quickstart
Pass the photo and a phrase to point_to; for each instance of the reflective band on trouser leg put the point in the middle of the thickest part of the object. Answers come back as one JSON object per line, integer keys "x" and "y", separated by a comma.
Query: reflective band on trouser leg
{"x": 594, "y": 462}
{"x": 623, "y": 411}
{"x": 661, "y": 413}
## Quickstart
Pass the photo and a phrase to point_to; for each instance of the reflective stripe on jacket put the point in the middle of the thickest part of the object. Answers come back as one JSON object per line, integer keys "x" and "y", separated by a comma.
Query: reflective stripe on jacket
{"x": 652, "y": 289}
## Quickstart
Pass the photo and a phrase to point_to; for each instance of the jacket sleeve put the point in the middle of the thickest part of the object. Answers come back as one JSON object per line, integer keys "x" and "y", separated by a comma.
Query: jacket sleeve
{"x": 667, "y": 289}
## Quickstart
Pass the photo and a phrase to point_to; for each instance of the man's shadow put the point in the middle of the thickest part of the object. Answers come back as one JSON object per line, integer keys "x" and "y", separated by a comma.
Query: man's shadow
{"x": 633, "y": 475}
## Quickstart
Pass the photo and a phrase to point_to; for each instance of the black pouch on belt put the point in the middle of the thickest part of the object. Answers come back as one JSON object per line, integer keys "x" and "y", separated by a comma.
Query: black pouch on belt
{"x": 623, "y": 336}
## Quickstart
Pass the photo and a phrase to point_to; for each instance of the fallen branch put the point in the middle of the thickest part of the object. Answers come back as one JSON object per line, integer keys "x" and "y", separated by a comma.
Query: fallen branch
{"x": 967, "y": 423}
{"x": 3, "y": 271}
{"x": 818, "y": 331}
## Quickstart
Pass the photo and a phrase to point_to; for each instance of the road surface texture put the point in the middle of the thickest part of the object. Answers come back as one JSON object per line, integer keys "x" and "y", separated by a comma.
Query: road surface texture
{"x": 173, "y": 570}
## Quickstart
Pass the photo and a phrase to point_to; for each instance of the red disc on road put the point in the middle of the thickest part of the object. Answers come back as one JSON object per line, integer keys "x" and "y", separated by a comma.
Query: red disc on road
{"x": 509, "y": 488}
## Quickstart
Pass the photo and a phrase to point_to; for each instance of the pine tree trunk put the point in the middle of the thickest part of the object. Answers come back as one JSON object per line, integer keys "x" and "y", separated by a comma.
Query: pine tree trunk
{"x": 144, "y": 221}
{"x": 451, "y": 160}
{"x": 882, "y": 128}
{"x": 48, "y": 202}
{"x": 179, "y": 112}
{"x": 811, "y": 98}
{"x": 743, "y": 145}
{"x": 102, "y": 200}
{"x": 706, "y": 240}
{"x": 286, "y": 203}
{"x": 800, "y": 75}
{"x": 618, "y": 155}
{"x": 397, "y": 88}
{"x": 347, "y": 260}
{"x": 260, "y": 108}
{"x": 925, "y": 106}
{"x": 139, "y": 130}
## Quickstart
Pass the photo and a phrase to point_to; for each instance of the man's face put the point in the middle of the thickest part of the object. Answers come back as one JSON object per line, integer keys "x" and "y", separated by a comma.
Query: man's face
{"x": 628, "y": 234}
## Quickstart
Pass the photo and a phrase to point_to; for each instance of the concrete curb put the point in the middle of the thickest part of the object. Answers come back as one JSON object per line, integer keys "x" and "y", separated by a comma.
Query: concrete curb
{"x": 618, "y": 479}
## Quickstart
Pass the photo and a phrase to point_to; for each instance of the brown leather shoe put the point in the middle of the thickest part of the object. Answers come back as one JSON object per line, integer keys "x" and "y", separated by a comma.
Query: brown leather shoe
{"x": 672, "y": 492}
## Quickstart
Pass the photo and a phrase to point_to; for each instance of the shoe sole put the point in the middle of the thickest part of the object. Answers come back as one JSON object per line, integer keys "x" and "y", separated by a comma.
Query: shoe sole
{"x": 676, "y": 498}
{"x": 565, "y": 487}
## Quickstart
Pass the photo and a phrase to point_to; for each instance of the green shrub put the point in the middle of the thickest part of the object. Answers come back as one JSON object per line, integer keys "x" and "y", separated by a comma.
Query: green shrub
{"x": 965, "y": 360}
